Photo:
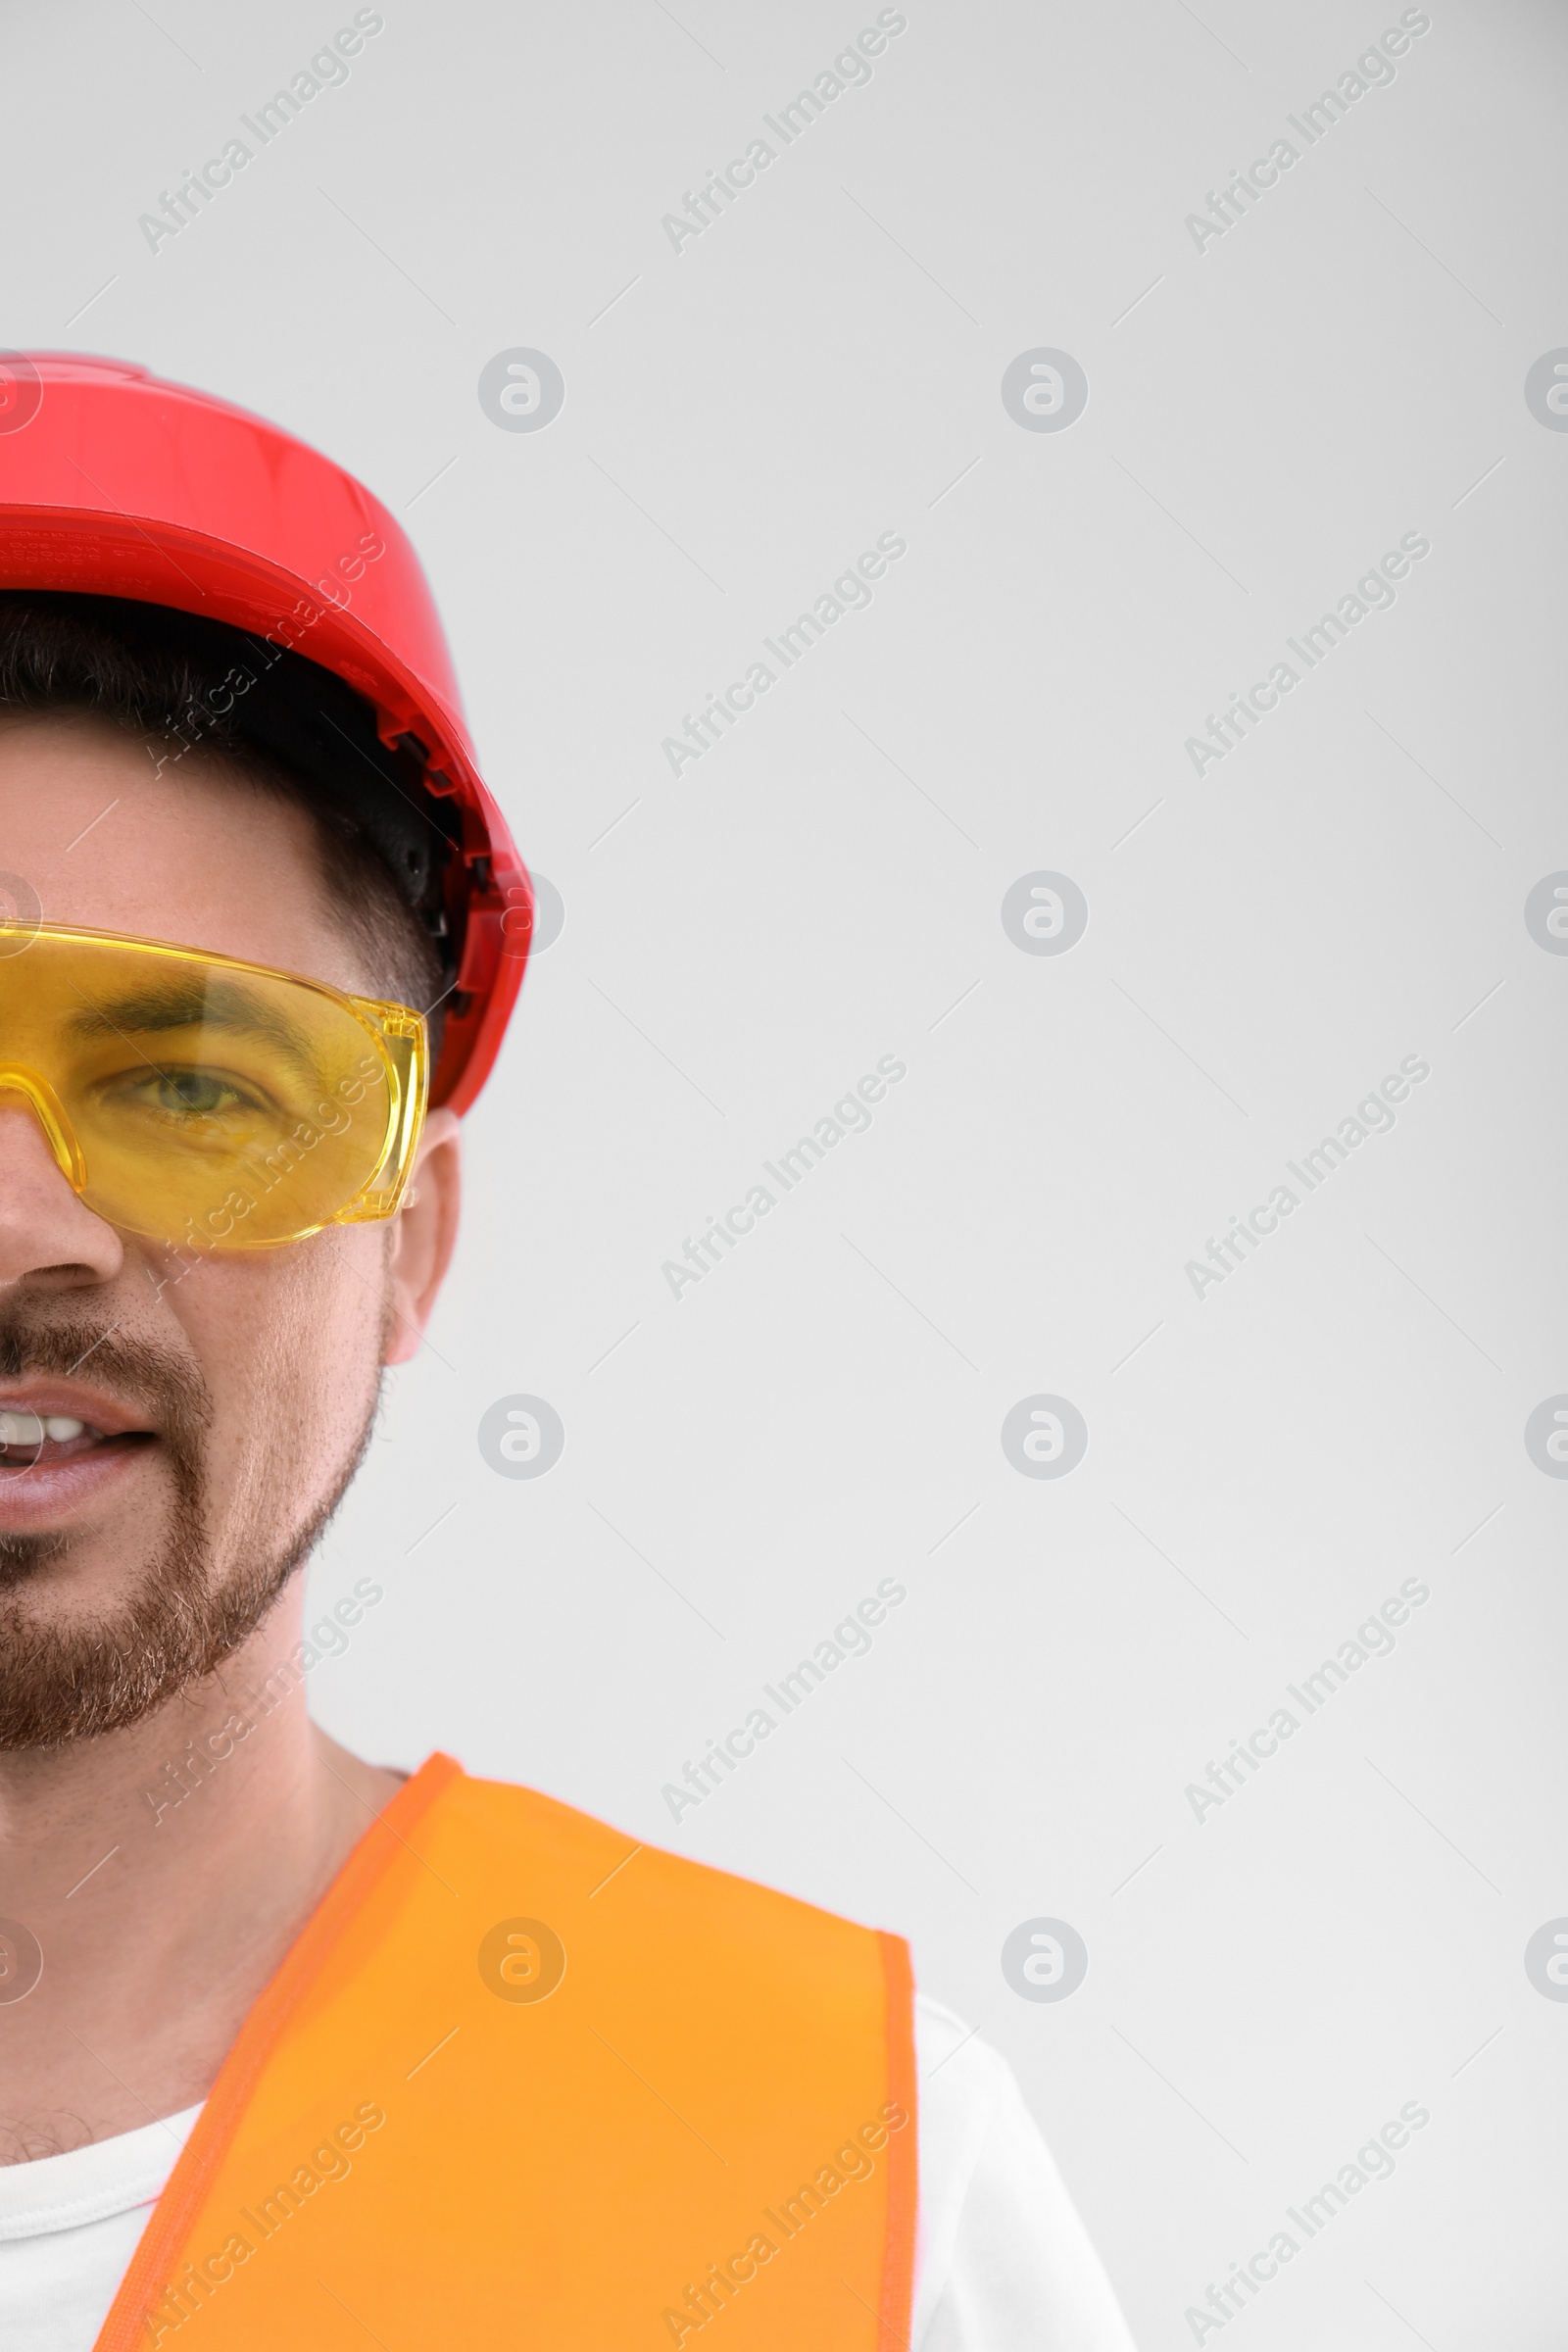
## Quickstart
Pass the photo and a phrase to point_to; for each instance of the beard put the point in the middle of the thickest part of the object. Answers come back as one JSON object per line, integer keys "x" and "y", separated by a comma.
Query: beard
{"x": 185, "y": 1612}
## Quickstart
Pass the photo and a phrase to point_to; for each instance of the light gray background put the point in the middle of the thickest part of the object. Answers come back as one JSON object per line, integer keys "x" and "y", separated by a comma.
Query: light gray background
{"x": 742, "y": 1466}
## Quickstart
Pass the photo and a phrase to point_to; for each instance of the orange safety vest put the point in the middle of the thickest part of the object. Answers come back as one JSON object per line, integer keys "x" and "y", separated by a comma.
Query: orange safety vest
{"x": 522, "y": 2082}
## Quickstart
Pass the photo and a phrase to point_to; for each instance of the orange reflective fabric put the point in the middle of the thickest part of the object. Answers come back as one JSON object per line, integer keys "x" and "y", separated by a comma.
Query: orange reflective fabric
{"x": 425, "y": 2136}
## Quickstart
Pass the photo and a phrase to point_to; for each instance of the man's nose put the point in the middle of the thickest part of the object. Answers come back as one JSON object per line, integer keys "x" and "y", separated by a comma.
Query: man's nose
{"x": 45, "y": 1230}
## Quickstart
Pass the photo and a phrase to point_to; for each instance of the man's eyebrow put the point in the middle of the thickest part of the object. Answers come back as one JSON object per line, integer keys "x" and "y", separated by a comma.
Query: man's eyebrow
{"x": 180, "y": 1004}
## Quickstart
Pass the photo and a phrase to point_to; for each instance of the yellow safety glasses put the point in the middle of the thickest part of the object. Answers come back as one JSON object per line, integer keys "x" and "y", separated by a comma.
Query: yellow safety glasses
{"x": 205, "y": 1103}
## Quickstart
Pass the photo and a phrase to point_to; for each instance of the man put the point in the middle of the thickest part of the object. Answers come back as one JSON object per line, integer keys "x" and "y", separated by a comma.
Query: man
{"x": 295, "y": 2050}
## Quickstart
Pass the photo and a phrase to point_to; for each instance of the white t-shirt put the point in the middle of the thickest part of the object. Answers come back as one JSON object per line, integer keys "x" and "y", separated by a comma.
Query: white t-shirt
{"x": 1002, "y": 2262}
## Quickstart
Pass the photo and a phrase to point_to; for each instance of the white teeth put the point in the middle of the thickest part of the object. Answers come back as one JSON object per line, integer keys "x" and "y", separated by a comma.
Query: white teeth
{"x": 25, "y": 1431}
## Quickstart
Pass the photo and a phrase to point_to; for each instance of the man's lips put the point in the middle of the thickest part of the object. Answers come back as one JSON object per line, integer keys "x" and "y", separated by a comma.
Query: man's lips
{"x": 44, "y": 1400}
{"x": 62, "y": 1444}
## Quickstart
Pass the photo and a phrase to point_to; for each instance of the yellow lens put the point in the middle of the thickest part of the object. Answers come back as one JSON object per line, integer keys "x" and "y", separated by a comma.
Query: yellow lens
{"x": 209, "y": 1102}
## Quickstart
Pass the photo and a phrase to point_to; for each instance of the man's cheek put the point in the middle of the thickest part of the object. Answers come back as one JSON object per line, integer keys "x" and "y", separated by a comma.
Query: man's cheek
{"x": 289, "y": 1345}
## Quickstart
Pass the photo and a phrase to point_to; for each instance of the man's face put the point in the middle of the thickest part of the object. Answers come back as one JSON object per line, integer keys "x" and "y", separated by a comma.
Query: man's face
{"x": 234, "y": 1391}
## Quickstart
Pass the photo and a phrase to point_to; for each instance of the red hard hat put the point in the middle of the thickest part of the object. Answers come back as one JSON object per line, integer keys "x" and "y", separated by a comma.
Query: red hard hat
{"x": 113, "y": 483}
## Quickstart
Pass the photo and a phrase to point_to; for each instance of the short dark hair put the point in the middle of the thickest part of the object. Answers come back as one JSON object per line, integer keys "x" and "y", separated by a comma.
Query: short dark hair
{"x": 163, "y": 676}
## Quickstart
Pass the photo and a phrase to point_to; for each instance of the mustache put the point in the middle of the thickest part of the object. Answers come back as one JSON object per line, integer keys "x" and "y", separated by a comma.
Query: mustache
{"x": 142, "y": 1372}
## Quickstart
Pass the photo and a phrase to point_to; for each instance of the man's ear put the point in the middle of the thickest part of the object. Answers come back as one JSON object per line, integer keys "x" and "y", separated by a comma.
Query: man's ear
{"x": 424, "y": 1234}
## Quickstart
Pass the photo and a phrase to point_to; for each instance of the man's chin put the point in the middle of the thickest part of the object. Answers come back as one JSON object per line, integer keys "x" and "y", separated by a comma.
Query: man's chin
{"x": 73, "y": 1670}
{"x": 99, "y": 1628}
{"x": 70, "y": 1670}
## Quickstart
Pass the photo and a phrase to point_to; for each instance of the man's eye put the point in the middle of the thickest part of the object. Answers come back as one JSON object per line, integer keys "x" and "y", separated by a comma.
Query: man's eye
{"x": 190, "y": 1093}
